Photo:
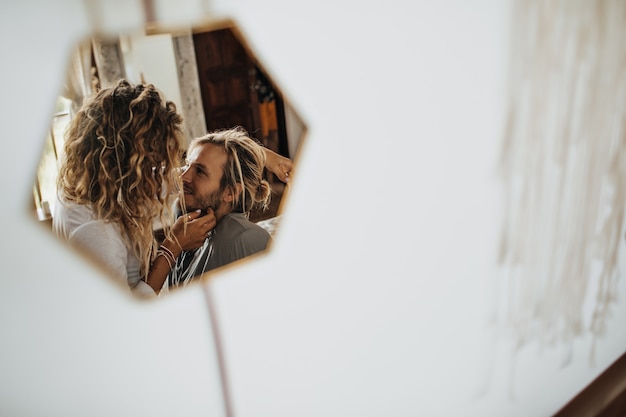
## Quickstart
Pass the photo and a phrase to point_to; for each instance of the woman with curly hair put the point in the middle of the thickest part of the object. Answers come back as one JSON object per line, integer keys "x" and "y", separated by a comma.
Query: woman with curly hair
{"x": 121, "y": 158}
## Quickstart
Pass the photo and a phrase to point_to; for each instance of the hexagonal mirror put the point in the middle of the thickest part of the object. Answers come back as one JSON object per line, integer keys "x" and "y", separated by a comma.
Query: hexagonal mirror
{"x": 169, "y": 156}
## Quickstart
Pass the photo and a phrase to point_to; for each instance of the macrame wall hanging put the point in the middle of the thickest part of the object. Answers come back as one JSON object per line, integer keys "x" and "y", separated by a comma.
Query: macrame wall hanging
{"x": 564, "y": 169}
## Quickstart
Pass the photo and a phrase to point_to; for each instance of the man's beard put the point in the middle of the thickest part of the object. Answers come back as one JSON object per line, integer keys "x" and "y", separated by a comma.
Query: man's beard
{"x": 209, "y": 201}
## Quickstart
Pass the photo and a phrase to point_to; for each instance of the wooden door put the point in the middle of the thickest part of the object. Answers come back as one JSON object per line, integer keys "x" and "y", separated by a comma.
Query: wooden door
{"x": 227, "y": 77}
{"x": 236, "y": 92}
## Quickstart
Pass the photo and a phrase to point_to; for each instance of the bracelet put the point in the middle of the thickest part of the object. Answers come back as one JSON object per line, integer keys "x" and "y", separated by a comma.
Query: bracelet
{"x": 167, "y": 254}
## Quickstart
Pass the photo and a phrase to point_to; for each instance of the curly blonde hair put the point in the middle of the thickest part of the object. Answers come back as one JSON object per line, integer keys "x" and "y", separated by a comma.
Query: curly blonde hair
{"x": 120, "y": 157}
{"x": 244, "y": 166}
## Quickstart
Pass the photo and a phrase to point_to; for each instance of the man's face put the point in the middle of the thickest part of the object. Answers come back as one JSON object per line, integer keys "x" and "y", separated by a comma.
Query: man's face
{"x": 201, "y": 178}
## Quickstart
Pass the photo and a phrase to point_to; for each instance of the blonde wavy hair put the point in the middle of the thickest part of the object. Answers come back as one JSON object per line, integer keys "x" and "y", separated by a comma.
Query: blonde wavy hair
{"x": 120, "y": 157}
{"x": 244, "y": 166}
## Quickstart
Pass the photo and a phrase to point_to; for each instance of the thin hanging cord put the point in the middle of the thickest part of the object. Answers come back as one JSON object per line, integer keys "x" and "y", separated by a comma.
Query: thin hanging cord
{"x": 149, "y": 11}
{"x": 219, "y": 350}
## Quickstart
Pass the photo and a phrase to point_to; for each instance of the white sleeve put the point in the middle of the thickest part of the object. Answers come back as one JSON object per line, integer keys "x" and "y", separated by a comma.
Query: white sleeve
{"x": 144, "y": 290}
{"x": 106, "y": 245}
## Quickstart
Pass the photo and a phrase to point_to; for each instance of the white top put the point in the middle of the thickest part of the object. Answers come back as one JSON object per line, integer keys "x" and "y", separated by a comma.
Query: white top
{"x": 78, "y": 224}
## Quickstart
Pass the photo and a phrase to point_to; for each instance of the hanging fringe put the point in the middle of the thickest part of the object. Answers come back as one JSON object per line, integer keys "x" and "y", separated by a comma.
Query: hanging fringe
{"x": 564, "y": 168}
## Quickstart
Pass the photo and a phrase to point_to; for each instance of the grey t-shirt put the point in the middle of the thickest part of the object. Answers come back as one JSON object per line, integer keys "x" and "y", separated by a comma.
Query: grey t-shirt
{"x": 234, "y": 238}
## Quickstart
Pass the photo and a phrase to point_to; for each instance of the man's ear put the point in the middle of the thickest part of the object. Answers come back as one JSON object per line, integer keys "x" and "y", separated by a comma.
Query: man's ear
{"x": 230, "y": 193}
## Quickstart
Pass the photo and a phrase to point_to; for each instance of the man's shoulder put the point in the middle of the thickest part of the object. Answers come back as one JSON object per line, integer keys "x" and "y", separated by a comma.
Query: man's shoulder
{"x": 240, "y": 235}
{"x": 235, "y": 238}
{"x": 237, "y": 224}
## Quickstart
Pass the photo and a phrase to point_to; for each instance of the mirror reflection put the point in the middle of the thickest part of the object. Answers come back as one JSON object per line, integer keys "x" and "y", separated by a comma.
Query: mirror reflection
{"x": 169, "y": 156}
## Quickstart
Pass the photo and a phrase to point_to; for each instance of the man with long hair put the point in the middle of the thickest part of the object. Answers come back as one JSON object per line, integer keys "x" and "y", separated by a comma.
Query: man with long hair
{"x": 224, "y": 177}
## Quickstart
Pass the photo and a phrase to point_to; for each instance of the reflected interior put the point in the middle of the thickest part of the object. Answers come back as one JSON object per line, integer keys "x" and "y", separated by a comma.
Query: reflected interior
{"x": 210, "y": 74}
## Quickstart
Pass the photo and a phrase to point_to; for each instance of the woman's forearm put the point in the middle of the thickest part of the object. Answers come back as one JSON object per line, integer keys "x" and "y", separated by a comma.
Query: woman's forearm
{"x": 162, "y": 265}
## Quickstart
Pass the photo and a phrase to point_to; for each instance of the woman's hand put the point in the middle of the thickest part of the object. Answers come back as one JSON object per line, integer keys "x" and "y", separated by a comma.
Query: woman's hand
{"x": 278, "y": 165}
{"x": 191, "y": 229}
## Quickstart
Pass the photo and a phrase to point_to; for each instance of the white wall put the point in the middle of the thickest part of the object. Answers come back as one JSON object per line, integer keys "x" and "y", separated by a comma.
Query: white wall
{"x": 377, "y": 295}
{"x": 295, "y": 130}
{"x": 152, "y": 57}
